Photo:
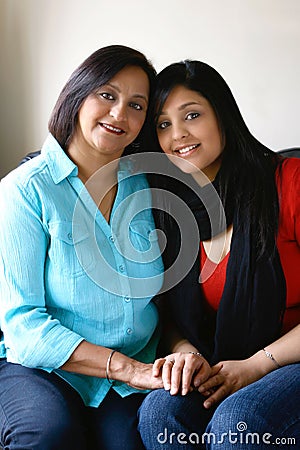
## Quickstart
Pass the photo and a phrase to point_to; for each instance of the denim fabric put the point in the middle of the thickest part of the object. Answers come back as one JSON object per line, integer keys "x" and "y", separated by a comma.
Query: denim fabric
{"x": 264, "y": 413}
{"x": 167, "y": 422}
{"x": 68, "y": 275}
{"x": 40, "y": 411}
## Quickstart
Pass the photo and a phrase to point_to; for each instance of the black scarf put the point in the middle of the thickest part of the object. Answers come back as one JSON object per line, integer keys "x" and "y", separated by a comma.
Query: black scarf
{"x": 251, "y": 309}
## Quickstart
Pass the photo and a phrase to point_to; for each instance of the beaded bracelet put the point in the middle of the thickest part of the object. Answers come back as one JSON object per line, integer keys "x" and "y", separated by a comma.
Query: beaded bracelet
{"x": 108, "y": 365}
{"x": 270, "y": 356}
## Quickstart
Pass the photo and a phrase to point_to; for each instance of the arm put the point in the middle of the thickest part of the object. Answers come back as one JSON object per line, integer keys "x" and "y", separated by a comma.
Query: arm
{"x": 230, "y": 376}
{"x": 285, "y": 350}
{"x": 91, "y": 359}
{"x": 32, "y": 336}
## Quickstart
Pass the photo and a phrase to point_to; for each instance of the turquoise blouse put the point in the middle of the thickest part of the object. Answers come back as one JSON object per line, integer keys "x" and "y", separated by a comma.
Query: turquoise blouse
{"x": 66, "y": 275}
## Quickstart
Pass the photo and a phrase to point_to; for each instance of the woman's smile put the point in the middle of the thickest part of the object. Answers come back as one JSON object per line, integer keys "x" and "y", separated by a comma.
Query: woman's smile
{"x": 188, "y": 128}
{"x": 111, "y": 129}
{"x": 185, "y": 150}
{"x": 111, "y": 117}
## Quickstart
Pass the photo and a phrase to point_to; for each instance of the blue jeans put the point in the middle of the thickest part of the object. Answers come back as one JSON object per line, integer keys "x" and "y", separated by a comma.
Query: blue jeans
{"x": 40, "y": 411}
{"x": 255, "y": 417}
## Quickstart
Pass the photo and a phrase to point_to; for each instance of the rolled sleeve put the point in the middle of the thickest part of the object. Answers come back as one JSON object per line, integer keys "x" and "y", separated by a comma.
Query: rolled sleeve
{"x": 32, "y": 337}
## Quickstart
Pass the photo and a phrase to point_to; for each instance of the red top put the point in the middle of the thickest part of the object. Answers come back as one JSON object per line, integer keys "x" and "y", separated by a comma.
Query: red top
{"x": 288, "y": 244}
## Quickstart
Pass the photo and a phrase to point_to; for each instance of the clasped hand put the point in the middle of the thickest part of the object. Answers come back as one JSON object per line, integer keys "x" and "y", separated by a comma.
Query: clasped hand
{"x": 183, "y": 372}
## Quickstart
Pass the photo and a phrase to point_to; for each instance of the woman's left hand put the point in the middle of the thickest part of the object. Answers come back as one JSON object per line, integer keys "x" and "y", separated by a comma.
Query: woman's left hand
{"x": 228, "y": 377}
{"x": 182, "y": 371}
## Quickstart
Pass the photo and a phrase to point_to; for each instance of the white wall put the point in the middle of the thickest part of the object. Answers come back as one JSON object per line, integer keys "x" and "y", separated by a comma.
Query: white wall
{"x": 254, "y": 44}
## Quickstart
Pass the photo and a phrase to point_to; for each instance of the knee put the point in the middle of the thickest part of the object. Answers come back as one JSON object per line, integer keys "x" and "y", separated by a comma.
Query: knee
{"x": 236, "y": 414}
{"x": 164, "y": 418}
{"x": 154, "y": 407}
{"x": 58, "y": 430}
{"x": 161, "y": 408}
{"x": 45, "y": 432}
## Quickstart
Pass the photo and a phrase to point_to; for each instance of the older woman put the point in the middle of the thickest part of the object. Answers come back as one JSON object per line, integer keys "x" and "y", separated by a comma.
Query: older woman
{"x": 79, "y": 323}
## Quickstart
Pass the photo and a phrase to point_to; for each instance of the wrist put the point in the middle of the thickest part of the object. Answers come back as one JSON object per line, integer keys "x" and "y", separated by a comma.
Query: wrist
{"x": 120, "y": 368}
{"x": 184, "y": 346}
{"x": 271, "y": 357}
{"x": 262, "y": 363}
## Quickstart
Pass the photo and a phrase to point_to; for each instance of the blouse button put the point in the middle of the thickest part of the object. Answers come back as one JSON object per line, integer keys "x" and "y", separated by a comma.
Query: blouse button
{"x": 129, "y": 331}
{"x": 70, "y": 236}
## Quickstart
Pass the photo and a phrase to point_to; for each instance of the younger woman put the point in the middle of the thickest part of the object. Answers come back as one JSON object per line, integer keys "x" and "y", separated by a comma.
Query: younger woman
{"x": 237, "y": 311}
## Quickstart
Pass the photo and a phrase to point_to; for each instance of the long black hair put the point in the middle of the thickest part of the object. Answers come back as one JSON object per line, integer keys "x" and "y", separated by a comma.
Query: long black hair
{"x": 95, "y": 71}
{"x": 247, "y": 173}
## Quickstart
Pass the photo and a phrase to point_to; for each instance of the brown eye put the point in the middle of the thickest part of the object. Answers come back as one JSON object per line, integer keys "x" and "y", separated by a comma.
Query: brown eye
{"x": 106, "y": 95}
{"x": 163, "y": 125}
{"x": 136, "y": 106}
{"x": 192, "y": 116}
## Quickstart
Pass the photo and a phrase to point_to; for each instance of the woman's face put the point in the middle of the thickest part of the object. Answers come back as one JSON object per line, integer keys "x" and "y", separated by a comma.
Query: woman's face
{"x": 112, "y": 117}
{"x": 188, "y": 128}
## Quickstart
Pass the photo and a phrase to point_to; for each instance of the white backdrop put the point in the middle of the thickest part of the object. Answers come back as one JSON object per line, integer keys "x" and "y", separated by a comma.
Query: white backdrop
{"x": 254, "y": 44}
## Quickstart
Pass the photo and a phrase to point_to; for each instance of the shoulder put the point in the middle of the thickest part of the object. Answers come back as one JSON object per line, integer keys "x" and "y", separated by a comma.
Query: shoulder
{"x": 29, "y": 182}
{"x": 23, "y": 176}
{"x": 50, "y": 167}
{"x": 288, "y": 175}
{"x": 20, "y": 191}
{"x": 288, "y": 186}
{"x": 289, "y": 167}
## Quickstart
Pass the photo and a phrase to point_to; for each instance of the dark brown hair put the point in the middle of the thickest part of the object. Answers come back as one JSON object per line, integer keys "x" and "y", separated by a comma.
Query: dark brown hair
{"x": 247, "y": 173}
{"x": 95, "y": 71}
